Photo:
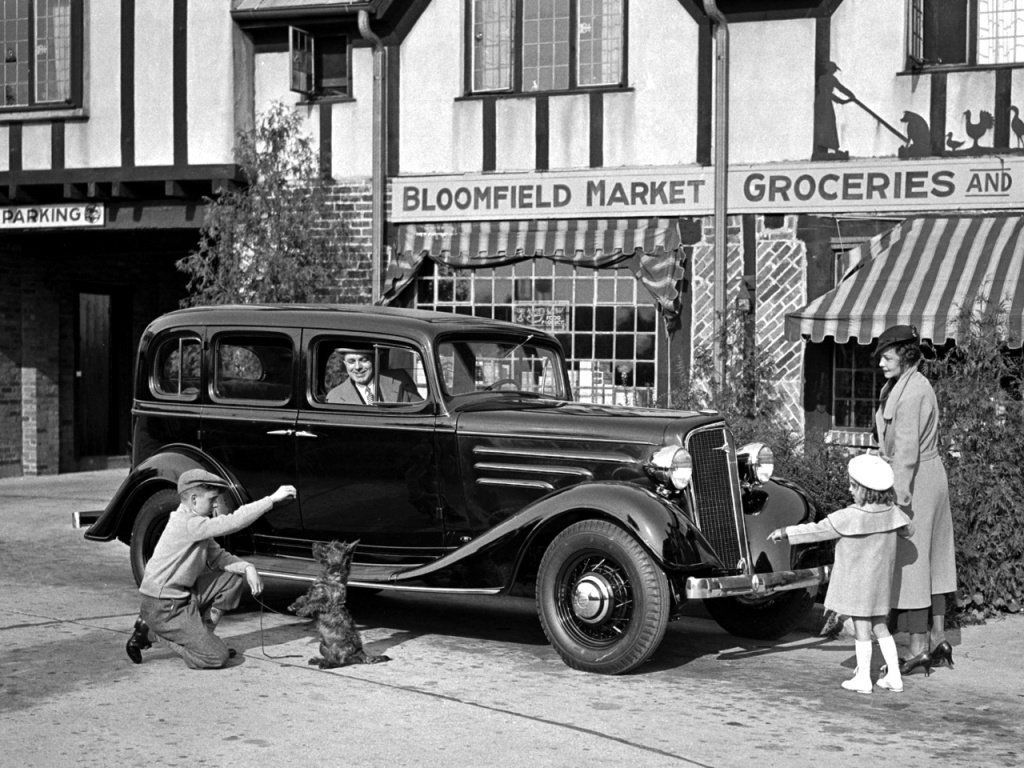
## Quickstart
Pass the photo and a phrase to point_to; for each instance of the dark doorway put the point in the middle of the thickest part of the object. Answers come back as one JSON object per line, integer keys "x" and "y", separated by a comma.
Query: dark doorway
{"x": 97, "y": 404}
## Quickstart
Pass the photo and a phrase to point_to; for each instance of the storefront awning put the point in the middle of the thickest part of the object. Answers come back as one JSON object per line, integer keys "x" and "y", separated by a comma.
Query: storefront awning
{"x": 922, "y": 273}
{"x": 650, "y": 246}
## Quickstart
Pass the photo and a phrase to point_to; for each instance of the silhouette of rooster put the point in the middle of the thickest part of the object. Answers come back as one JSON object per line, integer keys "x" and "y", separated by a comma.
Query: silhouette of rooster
{"x": 976, "y": 130}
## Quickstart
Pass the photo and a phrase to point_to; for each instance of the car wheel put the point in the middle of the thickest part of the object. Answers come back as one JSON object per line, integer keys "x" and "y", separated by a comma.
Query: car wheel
{"x": 603, "y": 602}
{"x": 762, "y": 618}
{"x": 149, "y": 524}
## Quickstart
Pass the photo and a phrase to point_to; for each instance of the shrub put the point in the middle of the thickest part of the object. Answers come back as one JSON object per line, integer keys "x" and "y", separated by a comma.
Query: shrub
{"x": 982, "y": 431}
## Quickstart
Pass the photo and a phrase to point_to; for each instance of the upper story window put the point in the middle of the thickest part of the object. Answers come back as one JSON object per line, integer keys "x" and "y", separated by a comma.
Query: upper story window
{"x": 41, "y": 44}
{"x": 319, "y": 64}
{"x": 546, "y": 45}
{"x": 973, "y": 32}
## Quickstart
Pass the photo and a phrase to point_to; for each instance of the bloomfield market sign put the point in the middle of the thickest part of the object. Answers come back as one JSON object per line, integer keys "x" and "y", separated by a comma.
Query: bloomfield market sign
{"x": 870, "y": 187}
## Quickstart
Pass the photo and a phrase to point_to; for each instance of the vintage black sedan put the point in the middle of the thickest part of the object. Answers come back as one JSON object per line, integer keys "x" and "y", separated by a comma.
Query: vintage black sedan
{"x": 451, "y": 448}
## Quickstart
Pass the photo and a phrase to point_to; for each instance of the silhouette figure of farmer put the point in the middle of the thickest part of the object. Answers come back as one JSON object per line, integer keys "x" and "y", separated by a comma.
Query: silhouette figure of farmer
{"x": 826, "y": 135}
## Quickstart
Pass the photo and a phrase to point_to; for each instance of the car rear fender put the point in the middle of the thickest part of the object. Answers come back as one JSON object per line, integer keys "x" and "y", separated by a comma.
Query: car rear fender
{"x": 155, "y": 473}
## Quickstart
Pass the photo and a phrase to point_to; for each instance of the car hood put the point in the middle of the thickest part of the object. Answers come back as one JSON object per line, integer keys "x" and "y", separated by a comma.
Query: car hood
{"x": 539, "y": 419}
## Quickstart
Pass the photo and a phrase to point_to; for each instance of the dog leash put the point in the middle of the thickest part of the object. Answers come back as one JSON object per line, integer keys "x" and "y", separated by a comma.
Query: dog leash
{"x": 263, "y": 647}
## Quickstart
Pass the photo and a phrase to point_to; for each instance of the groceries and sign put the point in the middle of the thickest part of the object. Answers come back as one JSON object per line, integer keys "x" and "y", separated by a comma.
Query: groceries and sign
{"x": 52, "y": 216}
{"x": 990, "y": 182}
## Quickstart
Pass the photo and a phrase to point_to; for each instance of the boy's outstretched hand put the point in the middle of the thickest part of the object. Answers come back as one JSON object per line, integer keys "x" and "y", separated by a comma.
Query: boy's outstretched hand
{"x": 284, "y": 493}
{"x": 779, "y": 534}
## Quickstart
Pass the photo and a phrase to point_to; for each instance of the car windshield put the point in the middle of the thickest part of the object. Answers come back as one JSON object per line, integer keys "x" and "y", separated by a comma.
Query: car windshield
{"x": 489, "y": 365}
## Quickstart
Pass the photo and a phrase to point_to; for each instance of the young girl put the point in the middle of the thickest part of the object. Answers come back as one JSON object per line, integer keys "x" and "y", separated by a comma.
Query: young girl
{"x": 861, "y": 583}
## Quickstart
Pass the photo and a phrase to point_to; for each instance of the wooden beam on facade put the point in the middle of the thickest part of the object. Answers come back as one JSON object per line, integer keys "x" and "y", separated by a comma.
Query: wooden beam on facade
{"x": 174, "y": 189}
{"x": 75, "y": 191}
{"x": 123, "y": 190}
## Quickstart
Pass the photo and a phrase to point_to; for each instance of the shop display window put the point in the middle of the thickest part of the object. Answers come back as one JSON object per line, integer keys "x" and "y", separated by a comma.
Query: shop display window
{"x": 607, "y": 331}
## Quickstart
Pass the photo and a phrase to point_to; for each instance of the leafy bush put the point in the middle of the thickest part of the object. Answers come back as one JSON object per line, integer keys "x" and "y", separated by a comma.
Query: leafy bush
{"x": 982, "y": 429}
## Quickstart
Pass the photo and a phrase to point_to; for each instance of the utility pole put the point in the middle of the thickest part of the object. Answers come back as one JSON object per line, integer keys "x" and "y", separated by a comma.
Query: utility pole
{"x": 721, "y": 184}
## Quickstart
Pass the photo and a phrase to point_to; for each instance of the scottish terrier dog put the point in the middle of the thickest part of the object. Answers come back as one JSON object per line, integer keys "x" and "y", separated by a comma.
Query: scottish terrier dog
{"x": 340, "y": 643}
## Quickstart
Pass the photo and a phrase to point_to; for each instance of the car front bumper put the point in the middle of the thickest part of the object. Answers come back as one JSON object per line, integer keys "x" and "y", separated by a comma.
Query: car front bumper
{"x": 755, "y": 584}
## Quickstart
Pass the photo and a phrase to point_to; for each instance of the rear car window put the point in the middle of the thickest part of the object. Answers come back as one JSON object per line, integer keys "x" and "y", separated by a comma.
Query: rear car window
{"x": 248, "y": 367}
{"x": 176, "y": 366}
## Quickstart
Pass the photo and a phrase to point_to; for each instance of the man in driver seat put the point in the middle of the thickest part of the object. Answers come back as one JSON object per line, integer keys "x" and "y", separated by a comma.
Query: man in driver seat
{"x": 361, "y": 387}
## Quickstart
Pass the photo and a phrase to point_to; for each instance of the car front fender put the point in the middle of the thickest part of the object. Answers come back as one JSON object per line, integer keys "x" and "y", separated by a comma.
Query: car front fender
{"x": 510, "y": 551}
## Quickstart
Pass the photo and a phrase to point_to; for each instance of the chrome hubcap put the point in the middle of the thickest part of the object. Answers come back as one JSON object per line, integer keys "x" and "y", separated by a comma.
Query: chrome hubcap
{"x": 591, "y": 598}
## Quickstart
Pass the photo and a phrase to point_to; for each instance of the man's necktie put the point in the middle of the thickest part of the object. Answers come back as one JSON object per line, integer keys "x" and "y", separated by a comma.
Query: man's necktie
{"x": 368, "y": 394}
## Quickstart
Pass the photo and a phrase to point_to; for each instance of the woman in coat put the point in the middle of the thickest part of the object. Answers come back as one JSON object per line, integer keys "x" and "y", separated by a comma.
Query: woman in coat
{"x": 907, "y": 422}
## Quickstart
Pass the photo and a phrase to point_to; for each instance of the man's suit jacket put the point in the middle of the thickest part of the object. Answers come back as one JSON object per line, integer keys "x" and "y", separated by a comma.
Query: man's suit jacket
{"x": 392, "y": 387}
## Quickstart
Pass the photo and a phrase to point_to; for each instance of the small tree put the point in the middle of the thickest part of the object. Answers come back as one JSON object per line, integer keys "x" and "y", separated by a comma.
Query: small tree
{"x": 750, "y": 401}
{"x": 278, "y": 238}
{"x": 748, "y": 390}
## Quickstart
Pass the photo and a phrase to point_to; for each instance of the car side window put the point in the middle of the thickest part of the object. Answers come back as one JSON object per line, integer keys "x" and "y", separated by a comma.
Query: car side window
{"x": 250, "y": 367}
{"x": 176, "y": 367}
{"x": 363, "y": 373}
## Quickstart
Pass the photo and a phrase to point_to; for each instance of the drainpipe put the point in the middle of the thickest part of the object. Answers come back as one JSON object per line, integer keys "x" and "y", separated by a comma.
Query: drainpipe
{"x": 721, "y": 182}
{"x": 379, "y": 156}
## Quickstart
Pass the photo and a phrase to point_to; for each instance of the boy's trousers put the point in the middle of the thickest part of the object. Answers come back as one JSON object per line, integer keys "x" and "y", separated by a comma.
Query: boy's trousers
{"x": 183, "y": 624}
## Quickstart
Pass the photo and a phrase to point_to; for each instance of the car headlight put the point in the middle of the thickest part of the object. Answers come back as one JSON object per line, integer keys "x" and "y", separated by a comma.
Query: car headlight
{"x": 673, "y": 466}
{"x": 759, "y": 460}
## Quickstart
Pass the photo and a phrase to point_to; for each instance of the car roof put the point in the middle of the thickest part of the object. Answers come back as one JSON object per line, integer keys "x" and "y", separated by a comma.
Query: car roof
{"x": 357, "y": 318}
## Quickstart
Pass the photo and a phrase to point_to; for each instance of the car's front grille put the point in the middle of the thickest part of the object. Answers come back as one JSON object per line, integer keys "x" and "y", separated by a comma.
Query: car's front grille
{"x": 714, "y": 465}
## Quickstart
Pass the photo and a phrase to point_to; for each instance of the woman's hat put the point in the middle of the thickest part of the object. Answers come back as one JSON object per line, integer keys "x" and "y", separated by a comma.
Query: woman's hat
{"x": 871, "y": 471}
{"x": 896, "y": 334}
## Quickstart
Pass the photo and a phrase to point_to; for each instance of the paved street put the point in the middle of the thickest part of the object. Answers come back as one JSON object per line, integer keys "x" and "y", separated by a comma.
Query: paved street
{"x": 472, "y": 682}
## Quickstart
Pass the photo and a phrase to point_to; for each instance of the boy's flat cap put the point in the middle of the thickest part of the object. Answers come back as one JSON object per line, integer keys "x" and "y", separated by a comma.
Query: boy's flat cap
{"x": 197, "y": 478}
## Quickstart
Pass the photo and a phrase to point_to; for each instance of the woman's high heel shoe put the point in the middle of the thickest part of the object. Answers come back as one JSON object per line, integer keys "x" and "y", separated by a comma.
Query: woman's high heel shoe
{"x": 922, "y": 659}
{"x": 942, "y": 653}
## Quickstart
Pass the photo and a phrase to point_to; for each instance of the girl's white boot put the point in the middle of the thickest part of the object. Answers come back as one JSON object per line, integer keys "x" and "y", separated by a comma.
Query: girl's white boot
{"x": 861, "y": 680}
{"x": 892, "y": 681}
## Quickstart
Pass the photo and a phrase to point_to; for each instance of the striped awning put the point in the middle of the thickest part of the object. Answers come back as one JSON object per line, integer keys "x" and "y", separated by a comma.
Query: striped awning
{"x": 923, "y": 273}
{"x": 651, "y": 247}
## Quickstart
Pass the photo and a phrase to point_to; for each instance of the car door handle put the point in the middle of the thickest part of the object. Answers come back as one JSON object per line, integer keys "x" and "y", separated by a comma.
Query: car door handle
{"x": 281, "y": 432}
{"x": 304, "y": 433}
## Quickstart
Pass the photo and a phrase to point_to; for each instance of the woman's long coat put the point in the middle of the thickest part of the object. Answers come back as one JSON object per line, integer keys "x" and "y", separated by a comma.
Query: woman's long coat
{"x": 908, "y": 426}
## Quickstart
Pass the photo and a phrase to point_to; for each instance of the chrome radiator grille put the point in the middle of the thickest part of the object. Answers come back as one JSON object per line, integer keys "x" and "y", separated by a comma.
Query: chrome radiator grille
{"x": 714, "y": 464}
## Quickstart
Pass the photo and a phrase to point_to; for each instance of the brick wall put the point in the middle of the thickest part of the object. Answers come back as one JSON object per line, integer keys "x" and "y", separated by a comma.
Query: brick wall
{"x": 704, "y": 275}
{"x": 781, "y": 265}
{"x": 10, "y": 363}
{"x": 781, "y": 288}
{"x": 352, "y": 204}
{"x": 40, "y": 371}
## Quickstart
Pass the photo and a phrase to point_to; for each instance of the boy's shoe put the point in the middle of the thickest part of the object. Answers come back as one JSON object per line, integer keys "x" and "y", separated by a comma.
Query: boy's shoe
{"x": 138, "y": 642}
